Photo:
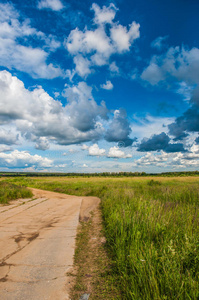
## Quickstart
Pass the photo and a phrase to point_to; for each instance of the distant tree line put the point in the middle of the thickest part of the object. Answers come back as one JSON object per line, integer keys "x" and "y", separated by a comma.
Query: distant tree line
{"x": 103, "y": 174}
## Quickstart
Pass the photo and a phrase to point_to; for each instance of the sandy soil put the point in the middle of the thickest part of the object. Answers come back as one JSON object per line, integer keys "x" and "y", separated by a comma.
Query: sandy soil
{"x": 37, "y": 242}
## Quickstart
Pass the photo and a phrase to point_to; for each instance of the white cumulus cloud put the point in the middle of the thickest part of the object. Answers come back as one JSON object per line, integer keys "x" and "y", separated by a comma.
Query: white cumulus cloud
{"x": 96, "y": 45}
{"x": 115, "y": 152}
{"x": 104, "y": 14}
{"x": 94, "y": 150}
{"x": 13, "y": 54}
{"x": 20, "y": 159}
{"x": 40, "y": 118}
{"x": 173, "y": 160}
{"x": 107, "y": 86}
{"x": 177, "y": 63}
{"x": 82, "y": 65}
{"x": 122, "y": 37}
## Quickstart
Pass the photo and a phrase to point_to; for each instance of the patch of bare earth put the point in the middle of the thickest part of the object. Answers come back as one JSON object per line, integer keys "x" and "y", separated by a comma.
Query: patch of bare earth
{"x": 92, "y": 274}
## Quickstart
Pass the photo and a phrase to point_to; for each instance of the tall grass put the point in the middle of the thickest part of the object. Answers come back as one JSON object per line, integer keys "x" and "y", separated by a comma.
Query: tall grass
{"x": 10, "y": 191}
{"x": 152, "y": 231}
{"x": 153, "y": 234}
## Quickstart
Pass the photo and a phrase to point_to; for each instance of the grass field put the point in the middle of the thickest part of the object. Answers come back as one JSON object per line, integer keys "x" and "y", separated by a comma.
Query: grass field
{"x": 152, "y": 231}
{"x": 9, "y": 191}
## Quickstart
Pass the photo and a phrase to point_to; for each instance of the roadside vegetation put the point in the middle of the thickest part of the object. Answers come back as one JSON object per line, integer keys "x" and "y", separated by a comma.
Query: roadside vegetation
{"x": 10, "y": 191}
{"x": 152, "y": 231}
{"x": 93, "y": 272}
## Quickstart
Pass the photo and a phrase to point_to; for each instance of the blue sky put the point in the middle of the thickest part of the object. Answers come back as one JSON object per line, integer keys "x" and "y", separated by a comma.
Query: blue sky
{"x": 93, "y": 86}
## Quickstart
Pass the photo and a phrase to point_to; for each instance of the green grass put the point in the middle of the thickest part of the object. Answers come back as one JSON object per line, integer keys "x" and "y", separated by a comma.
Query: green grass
{"x": 9, "y": 191}
{"x": 152, "y": 231}
{"x": 153, "y": 236}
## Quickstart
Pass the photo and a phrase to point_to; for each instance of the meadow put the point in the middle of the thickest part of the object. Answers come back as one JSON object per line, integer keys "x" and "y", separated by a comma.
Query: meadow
{"x": 151, "y": 226}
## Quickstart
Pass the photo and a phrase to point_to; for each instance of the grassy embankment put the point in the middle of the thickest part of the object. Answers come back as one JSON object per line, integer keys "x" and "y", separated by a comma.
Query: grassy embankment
{"x": 152, "y": 231}
{"x": 9, "y": 191}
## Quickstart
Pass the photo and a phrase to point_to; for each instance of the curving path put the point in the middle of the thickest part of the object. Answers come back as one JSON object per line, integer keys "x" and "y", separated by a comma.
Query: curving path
{"x": 37, "y": 242}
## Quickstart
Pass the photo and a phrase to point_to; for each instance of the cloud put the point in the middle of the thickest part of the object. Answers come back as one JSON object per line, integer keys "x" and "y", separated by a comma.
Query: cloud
{"x": 150, "y": 159}
{"x": 159, "y": 142}
{"x": 104, "y": 15}
{"x": 185, "y": 90}
{"x": 197, "y": 140}
{"x": 149, "y": 125}
{"x": 189, "y": 159}
{"x": 89, "y": 41}
{"x": 158, "y": 43}
{"x": 153, "y": 74}
{"x": 38, "y": 115}
{"x": 61, "y": 166}
{"x": 27, "y": 59}
{"x": 10, "y": 26}
{"x": 7, "y": 12}
{"x": 178, "y": 147}
{"x": 94, "y": 150}
{"x": 188, "y": 122}
{"x": 115, "y": 152}
{"x": 72, "y": 151}
{"x": 42, "y": 144}
{"x": 8, "y": 137}
{"x": 114, "y": 68}
{"x": 174, "y": 160}
{"x": 155, "y": 143}
{"x": 177, "y": 63}
{"x": 51, "y": 43}
{"x": 82, "y": 108}
{"x": 5, "y": 148}
{"x": 94, "y": 47}
{"x": 82, "y": 66}
{"x": 41, "y": 119}
{"x": 195, "y": 96}
{"x": 84, "y": 147}
{"x": 107, "y": 86}
{"x": 178, "y": 66}
{"x": 55, "y": 5}
{"x": 122, "y": 38}
{"x": 119, "y": 129}
{"x": 19, "y": 159}
{"x": 14, "y": 54}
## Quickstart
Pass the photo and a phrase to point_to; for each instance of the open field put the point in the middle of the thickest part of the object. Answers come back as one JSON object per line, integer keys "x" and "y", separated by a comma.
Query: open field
{"x": 152, "y": 230}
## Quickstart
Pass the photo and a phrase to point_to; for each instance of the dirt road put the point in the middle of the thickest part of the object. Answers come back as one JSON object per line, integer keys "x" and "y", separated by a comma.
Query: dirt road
{"x": 37, "y": 242}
